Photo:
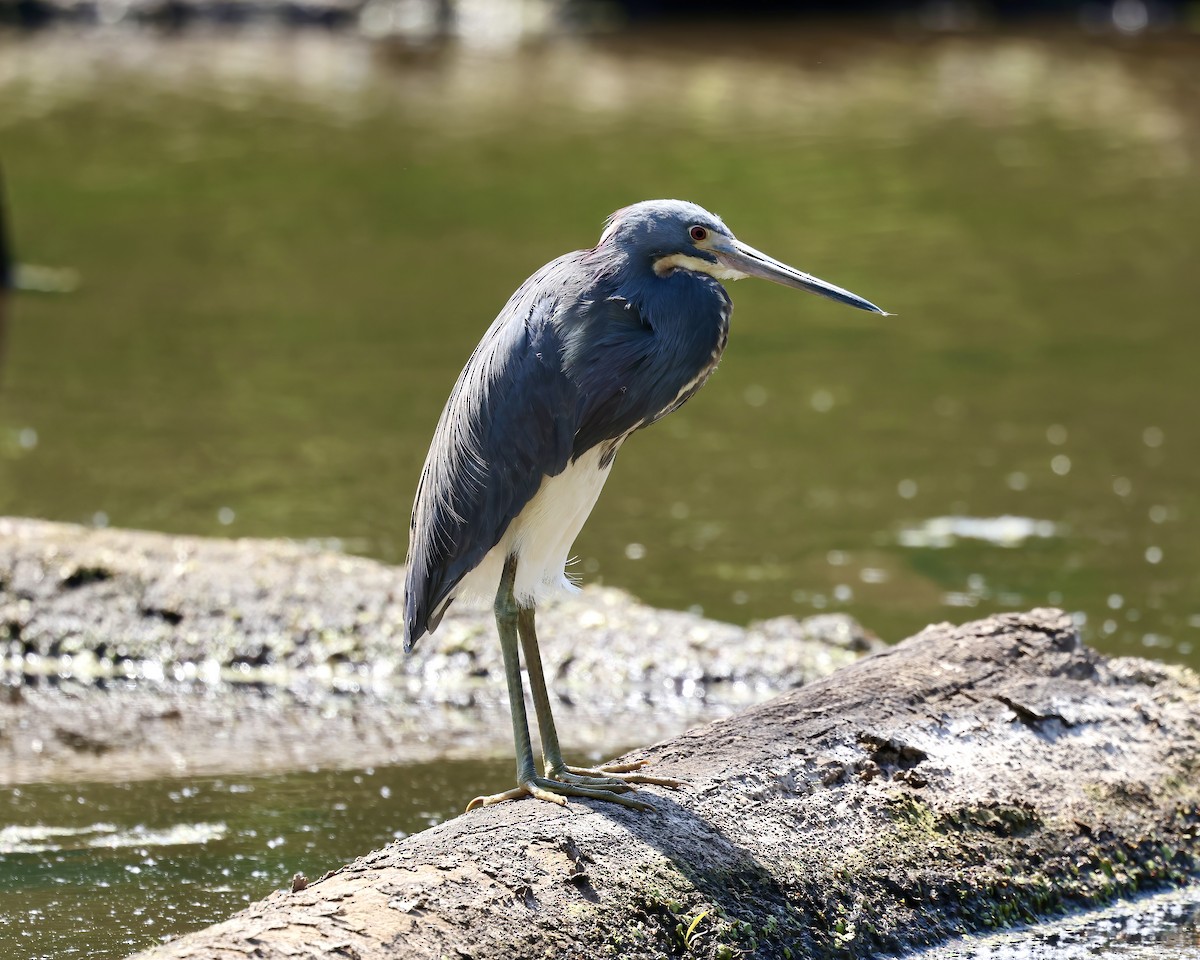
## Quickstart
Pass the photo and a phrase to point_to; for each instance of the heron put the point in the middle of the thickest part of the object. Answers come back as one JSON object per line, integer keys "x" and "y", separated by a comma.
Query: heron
{"x": 593, "y": 347}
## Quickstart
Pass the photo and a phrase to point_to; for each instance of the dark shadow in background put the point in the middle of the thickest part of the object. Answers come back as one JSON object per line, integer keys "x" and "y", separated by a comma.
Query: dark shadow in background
{"x": 335, "y": 15}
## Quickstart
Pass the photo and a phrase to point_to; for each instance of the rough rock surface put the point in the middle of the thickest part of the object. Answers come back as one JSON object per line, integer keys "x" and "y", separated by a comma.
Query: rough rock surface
{"x": 966, "y": 779}
{"x": 140, "y": 654}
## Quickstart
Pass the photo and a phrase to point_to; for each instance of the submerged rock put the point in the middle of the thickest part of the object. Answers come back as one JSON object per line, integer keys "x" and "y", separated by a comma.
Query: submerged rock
{"x": 130, "y": 654}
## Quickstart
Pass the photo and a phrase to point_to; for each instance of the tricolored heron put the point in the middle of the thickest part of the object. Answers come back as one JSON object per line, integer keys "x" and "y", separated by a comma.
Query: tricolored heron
{"x": 595, "y": 345}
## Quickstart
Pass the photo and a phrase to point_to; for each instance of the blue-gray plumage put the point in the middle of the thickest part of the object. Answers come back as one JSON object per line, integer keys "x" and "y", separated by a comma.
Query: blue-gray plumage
{"x": 595, "y": 345}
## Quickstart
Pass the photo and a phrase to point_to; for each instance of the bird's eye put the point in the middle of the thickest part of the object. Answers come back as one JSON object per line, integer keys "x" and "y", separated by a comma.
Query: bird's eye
{"x": 698, "y": 234}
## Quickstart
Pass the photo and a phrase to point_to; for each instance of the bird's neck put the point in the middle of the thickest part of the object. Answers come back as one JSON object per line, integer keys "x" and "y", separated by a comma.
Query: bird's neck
{"x": 677, "y": 302}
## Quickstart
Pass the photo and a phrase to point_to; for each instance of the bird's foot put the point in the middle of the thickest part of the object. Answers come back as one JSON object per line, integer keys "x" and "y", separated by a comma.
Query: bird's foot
{"x": 617, "y": 773}
{"x": 556, "y": 791}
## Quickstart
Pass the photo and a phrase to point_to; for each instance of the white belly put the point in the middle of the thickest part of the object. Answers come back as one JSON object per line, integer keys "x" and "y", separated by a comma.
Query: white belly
{"x": 541, "y": 535}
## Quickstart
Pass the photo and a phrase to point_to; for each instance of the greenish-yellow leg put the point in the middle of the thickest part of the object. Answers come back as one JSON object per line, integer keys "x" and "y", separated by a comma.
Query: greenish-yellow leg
{"x": 528, "y": 782}
{"x": 617, "y": 777}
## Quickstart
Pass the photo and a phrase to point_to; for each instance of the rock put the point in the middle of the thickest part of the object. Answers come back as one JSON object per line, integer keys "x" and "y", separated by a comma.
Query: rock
{"x": 967, "y": 779}
{"x": 132, "y": 655}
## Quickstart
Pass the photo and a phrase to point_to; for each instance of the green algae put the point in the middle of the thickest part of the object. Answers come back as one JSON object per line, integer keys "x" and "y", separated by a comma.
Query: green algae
{"x": 936, "y": 873}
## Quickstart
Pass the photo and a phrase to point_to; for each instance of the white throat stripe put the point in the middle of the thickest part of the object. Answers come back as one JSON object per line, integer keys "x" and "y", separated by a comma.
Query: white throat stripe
{"x": 681, "y": 261}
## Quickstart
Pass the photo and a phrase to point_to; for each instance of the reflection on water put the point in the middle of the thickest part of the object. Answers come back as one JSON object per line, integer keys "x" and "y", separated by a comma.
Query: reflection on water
{"x": 40, "y": 838}
{"x": 289, "y": 245}
{"x": 784, "y": 84}
{"x": 944, "y": 532}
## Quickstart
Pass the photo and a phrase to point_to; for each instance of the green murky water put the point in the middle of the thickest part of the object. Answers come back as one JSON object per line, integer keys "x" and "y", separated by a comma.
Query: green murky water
{"x": 288, "y": 249}
{"x": 101, "y": 870}
{"x": 289, "y": 245}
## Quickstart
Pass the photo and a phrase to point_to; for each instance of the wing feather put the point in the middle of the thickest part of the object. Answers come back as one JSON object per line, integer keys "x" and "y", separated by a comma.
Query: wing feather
{"x": 567, "y": 365}
{"x": 508, "y": 423}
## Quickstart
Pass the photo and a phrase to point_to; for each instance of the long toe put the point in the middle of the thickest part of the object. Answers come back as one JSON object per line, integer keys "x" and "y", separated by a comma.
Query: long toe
{"x": 515, "y": 793}
{"x": 622, "y": 773}
{"x": 544, "y": 785}
{"x": 622, "y": 767}
{"x": 591, "y": 778}
{"x": 556, "y": 791}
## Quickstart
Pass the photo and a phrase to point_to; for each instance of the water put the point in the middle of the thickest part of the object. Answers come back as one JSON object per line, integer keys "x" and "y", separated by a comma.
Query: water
{"x": 288, "y": 245}
{"x": 102, "y": 870}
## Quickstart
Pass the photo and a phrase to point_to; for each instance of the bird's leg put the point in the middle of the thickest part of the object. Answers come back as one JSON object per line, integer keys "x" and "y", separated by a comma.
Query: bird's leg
{"x": 528, "y": 783}
{"x": 552, "y": 758}
{"x": 616, "y": 777}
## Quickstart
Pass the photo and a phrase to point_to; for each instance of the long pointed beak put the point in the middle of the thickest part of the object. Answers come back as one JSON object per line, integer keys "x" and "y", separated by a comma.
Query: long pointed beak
{"x": 754, "y": 263}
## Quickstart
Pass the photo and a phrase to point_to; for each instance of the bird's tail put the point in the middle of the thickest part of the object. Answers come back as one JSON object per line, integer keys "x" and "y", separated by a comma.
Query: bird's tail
{"x": 414, "y": 626}
{"x": 418, "y": 621}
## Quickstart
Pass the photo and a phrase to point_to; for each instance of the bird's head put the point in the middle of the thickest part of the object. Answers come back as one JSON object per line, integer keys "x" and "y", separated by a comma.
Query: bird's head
{"x": 671, "y": 235}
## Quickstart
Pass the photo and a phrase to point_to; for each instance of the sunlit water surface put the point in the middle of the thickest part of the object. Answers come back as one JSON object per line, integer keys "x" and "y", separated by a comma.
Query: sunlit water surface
{"x": 101, "y": 870}
{"x": 288, "y": 246}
